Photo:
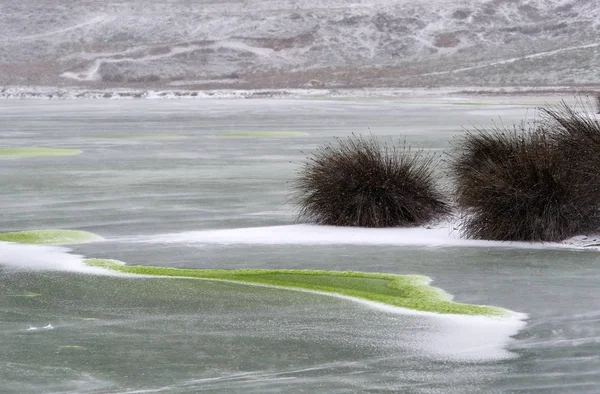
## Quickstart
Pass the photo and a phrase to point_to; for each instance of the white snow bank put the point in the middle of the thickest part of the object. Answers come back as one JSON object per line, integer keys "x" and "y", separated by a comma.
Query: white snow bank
{"x": 329, "y": 235}
{"x": 454, "y": 338}
{"x": 46, "y": 258}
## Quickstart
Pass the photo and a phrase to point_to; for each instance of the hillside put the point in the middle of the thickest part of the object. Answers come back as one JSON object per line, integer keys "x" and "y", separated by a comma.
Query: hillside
{"x": 307, "y": 43}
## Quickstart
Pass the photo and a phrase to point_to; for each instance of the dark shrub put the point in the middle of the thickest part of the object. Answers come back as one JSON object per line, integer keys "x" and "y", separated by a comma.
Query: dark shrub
{"x": 362, "y": 182}
{"x": 572, "y": 128}
{"x": 576, "y": 135}
{"x": 518, "y": 185}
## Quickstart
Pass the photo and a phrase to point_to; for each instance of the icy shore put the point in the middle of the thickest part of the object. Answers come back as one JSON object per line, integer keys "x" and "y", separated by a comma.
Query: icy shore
{"x": 71, "y": 93}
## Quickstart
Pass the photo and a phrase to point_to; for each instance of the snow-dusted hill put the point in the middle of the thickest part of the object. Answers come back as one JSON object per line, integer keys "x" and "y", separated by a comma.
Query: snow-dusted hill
{"x": 304, "y": 43}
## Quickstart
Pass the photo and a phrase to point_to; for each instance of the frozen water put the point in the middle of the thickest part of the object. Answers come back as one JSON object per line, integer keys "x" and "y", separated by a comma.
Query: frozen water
{"x": 179, "y": 202}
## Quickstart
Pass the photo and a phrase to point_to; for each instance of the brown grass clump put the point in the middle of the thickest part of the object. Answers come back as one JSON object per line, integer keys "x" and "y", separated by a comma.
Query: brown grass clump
{"x": 576, "y": 134}
{"x": 530, "y": 183}
{"x": 362, "y": 182}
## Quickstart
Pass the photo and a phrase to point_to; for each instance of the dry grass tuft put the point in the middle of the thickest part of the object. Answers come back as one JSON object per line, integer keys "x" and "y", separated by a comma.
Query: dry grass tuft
{"x": 530, "y": 183}
{"x": 362, "y": 182}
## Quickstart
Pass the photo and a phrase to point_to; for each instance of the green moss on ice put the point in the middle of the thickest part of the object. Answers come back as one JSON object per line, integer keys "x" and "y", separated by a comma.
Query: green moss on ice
{"x": 37, "y": 152}
{"x": 26, "y": 294}
{"x": 48, "y": 237}
{"x": 405, "y": 291}
{"x": 266, "y": 134}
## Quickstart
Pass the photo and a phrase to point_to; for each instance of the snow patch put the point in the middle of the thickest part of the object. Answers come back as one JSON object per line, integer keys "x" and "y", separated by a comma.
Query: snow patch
{"x": 46, "y": 258}
{"x": 330, "y": 235}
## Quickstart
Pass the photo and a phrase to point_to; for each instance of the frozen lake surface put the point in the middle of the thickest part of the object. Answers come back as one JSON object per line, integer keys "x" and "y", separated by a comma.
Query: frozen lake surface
{"x": 179, "y": 183}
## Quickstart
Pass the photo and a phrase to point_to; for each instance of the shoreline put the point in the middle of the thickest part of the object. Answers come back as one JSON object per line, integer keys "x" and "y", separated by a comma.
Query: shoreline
{"x": 75, "y": 92}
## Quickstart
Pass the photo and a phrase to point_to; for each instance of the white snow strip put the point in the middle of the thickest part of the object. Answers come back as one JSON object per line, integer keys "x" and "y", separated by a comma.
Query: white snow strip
{"x": 329, "y": 235}
{"x": 515, "y": 59}
{"x": 454, "y": 337}
{"x": 91, "y": 74}
{"x": 451, "y": 337}
{"x": 472, "y": 338}
{"x": 461, "y": 337}
{"x": 240, "y": 46}
{"x": 94, "y": 21}
{"x": 204, "y": 82}
{"x": 46, "y": 258}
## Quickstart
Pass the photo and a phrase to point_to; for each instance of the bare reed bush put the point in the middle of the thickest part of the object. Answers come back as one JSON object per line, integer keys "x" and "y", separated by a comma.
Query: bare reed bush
{"x": 518, "y": 185}
{"x": 576, "y": 132}
{"x": 362, "y": 182}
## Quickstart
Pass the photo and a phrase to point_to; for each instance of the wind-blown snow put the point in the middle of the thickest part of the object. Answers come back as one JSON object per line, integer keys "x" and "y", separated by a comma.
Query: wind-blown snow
{"x": 329, "y": 235}
{"x": 450, "y": 337}
{"x": 45, "y": 258}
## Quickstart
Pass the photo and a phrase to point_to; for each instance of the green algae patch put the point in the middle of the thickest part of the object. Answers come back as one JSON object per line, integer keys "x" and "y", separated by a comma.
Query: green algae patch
{"x": 404, "y": 291}
{"x": 75, "y": 347}
{"x": 266, "y": 134}
{"x": 26, "y": 294}
{"x": 49, "y": 237}
{"x": 37, "y": 152}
